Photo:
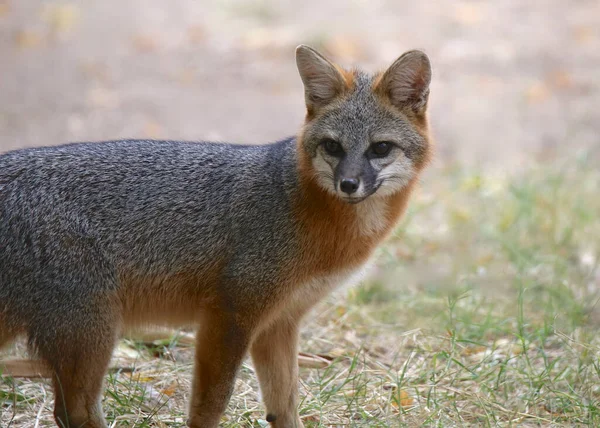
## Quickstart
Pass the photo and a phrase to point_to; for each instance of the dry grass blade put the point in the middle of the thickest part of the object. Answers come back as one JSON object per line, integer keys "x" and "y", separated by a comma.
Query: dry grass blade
{"x": 312, "y": 361}
{"x": 162, "y": 336}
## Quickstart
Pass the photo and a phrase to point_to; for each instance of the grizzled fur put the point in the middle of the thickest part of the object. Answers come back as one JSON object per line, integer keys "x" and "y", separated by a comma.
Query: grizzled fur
{"x": 80, "y": 222}
{"x": 240, "y": 241}
{"x": 146, "y": 209}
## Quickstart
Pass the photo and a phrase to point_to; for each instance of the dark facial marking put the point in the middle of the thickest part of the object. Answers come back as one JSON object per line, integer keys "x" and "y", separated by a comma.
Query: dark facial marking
{"x": 381, "y": 148}
{"x": 358, "y": 168}
{"x": 271, "y": 418}
{"x": 332, "y": 147}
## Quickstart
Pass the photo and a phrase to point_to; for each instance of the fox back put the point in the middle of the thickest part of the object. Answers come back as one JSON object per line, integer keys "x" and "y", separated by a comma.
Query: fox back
{"x": 164, "y": 216}
{"x": 238, "y": 241}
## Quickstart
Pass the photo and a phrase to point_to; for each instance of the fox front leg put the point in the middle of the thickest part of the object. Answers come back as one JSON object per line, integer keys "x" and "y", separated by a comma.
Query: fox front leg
{"x": 275, "y": 356}
{"x": 221, "y": 345}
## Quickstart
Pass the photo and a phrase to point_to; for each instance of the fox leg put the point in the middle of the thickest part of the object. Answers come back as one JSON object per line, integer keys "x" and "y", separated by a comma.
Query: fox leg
{"x": 77, "y": 343}
{"x": 74, "y": 329}
{"x": 78, "y": 388}
{"x": 79, "y": 358}
{"x": 221, "y": 345}
{"x": 275, "y": 356}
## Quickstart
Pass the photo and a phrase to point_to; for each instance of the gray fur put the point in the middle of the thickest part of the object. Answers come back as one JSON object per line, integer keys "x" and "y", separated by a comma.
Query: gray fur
{"x": 147, "y": 208}
{"x": 356, "y": 121}
{"x": 407, "y": 81}
{"x": 322, "y": 82}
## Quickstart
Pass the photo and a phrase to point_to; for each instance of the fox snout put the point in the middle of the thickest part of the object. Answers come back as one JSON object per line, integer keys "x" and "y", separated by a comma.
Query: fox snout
{"x": 355, "y": 178}
{"x": 349, "y": 185}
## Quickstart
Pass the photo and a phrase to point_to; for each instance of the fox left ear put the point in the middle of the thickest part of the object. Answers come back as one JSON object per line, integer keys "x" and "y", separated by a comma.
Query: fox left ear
{"x": 322, "y": 80}
{"x": 406, "y": 82}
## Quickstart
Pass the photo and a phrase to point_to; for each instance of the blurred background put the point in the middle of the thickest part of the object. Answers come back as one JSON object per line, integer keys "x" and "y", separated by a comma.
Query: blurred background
{"x": 483, "y": 307}
{"x": 512, "y": 79}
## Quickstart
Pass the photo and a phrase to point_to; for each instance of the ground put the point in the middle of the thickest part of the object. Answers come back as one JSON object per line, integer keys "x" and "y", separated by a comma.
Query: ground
{"x": 481, "y": 309}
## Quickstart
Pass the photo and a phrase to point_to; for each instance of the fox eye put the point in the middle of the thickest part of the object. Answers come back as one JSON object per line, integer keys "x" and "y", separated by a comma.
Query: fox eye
{"x": 381, "y": 148}
{"x": 332, "y": 147}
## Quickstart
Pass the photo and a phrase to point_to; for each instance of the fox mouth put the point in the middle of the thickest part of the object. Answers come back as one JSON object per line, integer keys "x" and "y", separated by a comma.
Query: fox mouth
{"x": 355, "y": 200}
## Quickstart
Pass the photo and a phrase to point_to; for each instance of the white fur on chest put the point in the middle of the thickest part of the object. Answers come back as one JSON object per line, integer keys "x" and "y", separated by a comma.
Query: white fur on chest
{"x": 311, "y": 292}
{"x": 371, "y": 215}
{"x": 371, "y": 219}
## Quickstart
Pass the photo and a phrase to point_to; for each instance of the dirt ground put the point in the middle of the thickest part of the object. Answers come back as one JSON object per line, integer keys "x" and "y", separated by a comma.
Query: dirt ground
{"x": 511, "y": 79}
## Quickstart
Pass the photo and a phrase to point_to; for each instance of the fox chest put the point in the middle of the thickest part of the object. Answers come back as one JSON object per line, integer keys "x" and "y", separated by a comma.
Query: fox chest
{"x": 344, "y": 242}
{"x": 308, "y": 293}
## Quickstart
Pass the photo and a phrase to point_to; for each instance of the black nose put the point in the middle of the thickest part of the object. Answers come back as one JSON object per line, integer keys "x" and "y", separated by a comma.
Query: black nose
{"x": 349, "y": 185}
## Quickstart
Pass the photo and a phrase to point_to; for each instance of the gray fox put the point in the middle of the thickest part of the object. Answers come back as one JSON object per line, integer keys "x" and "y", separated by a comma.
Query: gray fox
{"x": 240, "y": 241}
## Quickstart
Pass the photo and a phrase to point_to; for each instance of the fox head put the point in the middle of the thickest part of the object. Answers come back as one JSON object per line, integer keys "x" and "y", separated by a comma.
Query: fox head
{"x": 365, "y": 135}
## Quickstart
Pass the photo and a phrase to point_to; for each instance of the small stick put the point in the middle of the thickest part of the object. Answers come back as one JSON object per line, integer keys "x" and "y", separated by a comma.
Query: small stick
{"x": 39, "y": 369}
{"x": 25, "y": 368}
{"x": 312, "y": 361}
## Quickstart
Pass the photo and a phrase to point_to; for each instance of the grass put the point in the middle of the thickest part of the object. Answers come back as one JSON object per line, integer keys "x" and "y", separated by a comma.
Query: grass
{"x": 482, "y": 309}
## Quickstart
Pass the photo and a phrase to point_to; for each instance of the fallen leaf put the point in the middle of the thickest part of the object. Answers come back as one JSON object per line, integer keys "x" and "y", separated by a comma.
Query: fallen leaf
{"x": 404, "y": 253}
{"x": 516, "y": 349}
{"x": 196, "y": 34}
{"x": 311, "y": 418}
{"x": 152, "y": 129}
{"x": 583, "y": 34}
{"x": 25, "y": 39}
{"x": 186, "y": 76}
{"x": 145, "y": 43}
{"x": 401, "y": 398}
{"x": 142, "y": 377}
{"x": 170, "y": 390}
{"x": 538, "y": 92}
{"x": 468, "y": 13}
{"x": 344, "y": 48}
{"x": 560, "y": 79}
{"x": 472, "y": 350}
{"x": 62, "y": 18}
{"x": 4, "y": 8}
{"x": 485, "y": 259}
{"x": 405, "y": 399}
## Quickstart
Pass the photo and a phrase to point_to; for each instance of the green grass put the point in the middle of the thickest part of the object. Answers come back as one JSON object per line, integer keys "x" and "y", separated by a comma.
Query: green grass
{"x": 481, "y": 310}
{"x": 498, "y": 282}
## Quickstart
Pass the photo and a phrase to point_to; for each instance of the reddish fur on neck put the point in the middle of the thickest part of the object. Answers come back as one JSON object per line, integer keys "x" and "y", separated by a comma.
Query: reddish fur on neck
{"x": 329, "y": 227}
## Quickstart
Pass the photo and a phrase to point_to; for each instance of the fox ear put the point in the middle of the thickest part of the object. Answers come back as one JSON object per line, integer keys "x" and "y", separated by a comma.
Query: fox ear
{"x": 406, "y": 82}
{"x": 322, "y": 80}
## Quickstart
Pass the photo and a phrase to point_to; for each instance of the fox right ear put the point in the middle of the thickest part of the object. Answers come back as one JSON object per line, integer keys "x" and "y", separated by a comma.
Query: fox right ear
{"x": 322, "y": 80}
{"x": 406, "y": 82}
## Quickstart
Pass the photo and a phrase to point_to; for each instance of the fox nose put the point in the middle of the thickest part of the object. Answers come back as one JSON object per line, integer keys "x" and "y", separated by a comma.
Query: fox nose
{"x": 349, "y": 185}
